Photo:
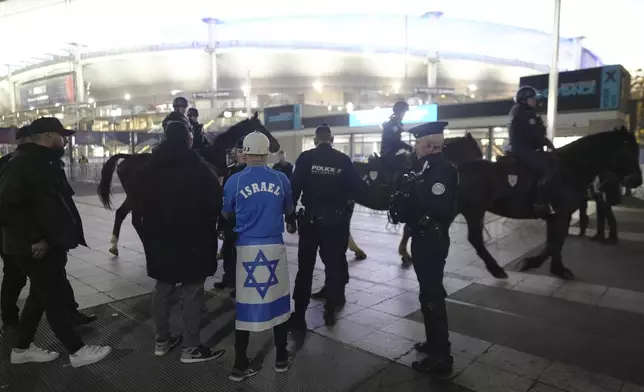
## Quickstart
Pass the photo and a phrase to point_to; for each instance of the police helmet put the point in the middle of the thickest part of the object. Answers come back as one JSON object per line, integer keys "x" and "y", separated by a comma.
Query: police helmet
{"x": 524, "y": 93}
{"x": 179, "y": 102}
{"x": 401, "y": 106}
{"x": 192, "y": 112}
{"x": 256, "y": 143}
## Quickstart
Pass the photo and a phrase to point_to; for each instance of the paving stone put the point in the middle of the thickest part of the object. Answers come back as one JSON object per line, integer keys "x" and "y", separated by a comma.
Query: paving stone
{"x": 482, "y": 378}
{"x": 514, "y": 361}
{"x": 573, "y": 379}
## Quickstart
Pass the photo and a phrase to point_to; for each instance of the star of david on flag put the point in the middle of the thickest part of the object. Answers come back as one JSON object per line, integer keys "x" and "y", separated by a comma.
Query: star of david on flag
{"x": 260, "y": 261}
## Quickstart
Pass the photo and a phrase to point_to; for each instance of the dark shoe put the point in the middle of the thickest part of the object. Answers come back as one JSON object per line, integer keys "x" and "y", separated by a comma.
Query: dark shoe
{"x": 320, "y": 295}
{"x": 200, "y": 354}
{"x": 233, "y": 294}
{"x": 220, "y": 286}
{"x": 282, "y": 366}
{"x": 297, "y": 322}
{"x": 434, "y": 365}
{"x": 79, "y": 319}
{"x": 329, "y": 317}
{"x": 422, "y": 347}
{"x": 239, "y": 375}
{"x": 162, "y": 347}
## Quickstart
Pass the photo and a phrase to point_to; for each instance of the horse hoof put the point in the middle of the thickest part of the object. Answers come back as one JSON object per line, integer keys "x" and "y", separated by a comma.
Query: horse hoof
{"x": 360, "y": 256}
{"x": 498, "y": 272}
{"x": 114, "y": 251}
{"x": 563, "y": 273}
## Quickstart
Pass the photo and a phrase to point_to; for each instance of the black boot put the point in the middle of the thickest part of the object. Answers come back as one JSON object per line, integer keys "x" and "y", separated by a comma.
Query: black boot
{"x": 440, "y": 366}
{"x": 79, "y": 318}
{"x": 297, "y": 322}
{"x": 329, "y": 316}
{"x": 320, "y": 295}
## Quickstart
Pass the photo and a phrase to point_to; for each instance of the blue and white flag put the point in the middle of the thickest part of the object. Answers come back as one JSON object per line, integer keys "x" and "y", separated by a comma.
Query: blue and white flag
{"x": 263, "y": 291}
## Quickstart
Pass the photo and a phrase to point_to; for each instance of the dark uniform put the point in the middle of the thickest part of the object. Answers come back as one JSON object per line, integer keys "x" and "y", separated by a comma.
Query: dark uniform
{"x": 228, "y": 247}
{"x": 327, "y": 180}
{"x": 176, "y": 115}
{"x": 427, "y": 203}
{"x": 607, "y": 192}
{"x": 284, "y": 167}
{"x": 391, "y": 135}
{"x": 199, "y": 141}
{"x": 527, "y": 139}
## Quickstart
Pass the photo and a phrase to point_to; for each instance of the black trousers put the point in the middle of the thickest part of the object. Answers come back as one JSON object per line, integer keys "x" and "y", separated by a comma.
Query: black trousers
{"x": 50, "y": 294}
{"x": 332, "y": 241}
{"x": 229, "y": 254}
{"x": 429, "y": 250}
{"x": 242, "y": 338}
{"x": 13, "y": 282}
{"x": 605, "y": 215}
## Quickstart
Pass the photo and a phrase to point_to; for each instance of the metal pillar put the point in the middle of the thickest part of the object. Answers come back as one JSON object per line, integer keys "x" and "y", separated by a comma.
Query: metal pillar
{"x": 553, "y": 83}
{"x": 79, "y": 78}
{"x": 249, "y": 105}
{"x": 432, "y": 50}
{"x": 12, "y": 90}
{"x": 211, "y": 49}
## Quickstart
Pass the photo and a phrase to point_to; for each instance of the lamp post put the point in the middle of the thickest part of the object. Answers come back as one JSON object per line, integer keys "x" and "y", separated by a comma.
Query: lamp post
{"x": 553, "y": 82}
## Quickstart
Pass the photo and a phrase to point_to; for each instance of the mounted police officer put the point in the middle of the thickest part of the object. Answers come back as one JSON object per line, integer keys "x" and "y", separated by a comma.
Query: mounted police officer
{"x": 426, "y": 201}
{"x": 199, "y": 140}
{"x": 391, "y": 142}
{"x": 180, "y": 105}
{"x": 527, "y": 139}
{"x": 327, "y": 180}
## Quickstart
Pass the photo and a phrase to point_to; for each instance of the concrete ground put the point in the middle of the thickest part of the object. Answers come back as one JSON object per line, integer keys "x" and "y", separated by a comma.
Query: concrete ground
{"x": 531, "y": 332}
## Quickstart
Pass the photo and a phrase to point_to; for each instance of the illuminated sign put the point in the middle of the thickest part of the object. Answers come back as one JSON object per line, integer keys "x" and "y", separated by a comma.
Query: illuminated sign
{"x": 50, "y": 91}
{"x": 283, "y": 118}
{"x": 415, "y": 115}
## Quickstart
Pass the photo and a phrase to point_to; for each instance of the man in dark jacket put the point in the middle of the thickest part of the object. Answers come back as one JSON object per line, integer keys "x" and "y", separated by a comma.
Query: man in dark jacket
{"x": 283, "y": 165}
{"x": 607, "y": 192}
{"x": 181, "y": 202}
{"x": 40, "y": 223}
{"x": 199, "y": 139}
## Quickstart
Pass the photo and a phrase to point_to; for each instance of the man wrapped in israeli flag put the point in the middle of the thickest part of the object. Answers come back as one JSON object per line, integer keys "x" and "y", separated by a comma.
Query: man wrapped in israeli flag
{"x": 257, "y": 199}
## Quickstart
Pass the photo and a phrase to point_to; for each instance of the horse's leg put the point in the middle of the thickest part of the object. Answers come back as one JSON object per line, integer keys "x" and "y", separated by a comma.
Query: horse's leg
{"x": 137, "y": 222}
{"x": 402, "y": 247}
{"x": 536, "y": 261}
{"x": 360, "y": 255}
{"x": 556, "y": 242}
{"x": 583, "y": 218}
{"x": 119, "y": 217}
{"x": 475, "y": 236}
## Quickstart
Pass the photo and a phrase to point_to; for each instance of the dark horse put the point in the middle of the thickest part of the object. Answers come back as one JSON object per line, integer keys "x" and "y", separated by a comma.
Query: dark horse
{"x": 457, "y": 150}
{"x": 506, "y": 188}
{"x": 129, "y": 172}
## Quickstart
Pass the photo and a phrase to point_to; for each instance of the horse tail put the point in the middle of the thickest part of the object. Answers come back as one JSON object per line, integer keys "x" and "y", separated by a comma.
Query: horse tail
{"x": 104, "y": 189}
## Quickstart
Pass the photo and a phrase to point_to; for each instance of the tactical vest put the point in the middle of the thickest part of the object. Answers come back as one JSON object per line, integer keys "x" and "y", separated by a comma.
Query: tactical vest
{"x": 403, "y": 208}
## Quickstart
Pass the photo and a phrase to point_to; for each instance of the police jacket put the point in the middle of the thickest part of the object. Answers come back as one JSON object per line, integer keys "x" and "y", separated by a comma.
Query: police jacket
{"x": 36, "y": 202}
{"x": 199, "y": 142}
{"x": 285, "y": 168}
{"x": 527, "y": 131}
{"x": 391, "y": 135}
{"x": 180, "y": 203}
{"x": 607, "y": 187}
{"x": 326, "y": 179}
{"x": 175, "y": 116}
{"x": 435, "y": 190}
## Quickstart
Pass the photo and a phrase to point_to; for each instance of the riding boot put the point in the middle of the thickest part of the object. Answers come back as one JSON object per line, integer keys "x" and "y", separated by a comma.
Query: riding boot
{"x": 437, "y": 345}
{"x": 541, "y": 203}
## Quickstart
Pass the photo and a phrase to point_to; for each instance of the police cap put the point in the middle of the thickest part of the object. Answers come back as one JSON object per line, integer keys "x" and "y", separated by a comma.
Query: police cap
{"x": 431, "y": 128}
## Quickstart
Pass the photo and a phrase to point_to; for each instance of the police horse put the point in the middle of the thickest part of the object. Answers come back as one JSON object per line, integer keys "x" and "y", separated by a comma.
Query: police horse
{"x": 129, "y": 172}
{"x": 506, "y": 188}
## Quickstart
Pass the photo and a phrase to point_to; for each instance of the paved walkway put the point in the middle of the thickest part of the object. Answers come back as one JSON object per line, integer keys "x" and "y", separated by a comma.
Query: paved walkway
{"x": 530, "y": 332}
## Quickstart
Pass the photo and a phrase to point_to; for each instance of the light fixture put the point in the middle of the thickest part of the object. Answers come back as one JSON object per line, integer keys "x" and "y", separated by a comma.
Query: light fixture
{"x": 175, "y": 92}
{"x": 127, "y": 96}
{"x": 317, "y": 86}
{"x": 90, "y": 100}
{"x": 396, "y": 87}
{"x": 472, "y": 87}
{"x": 350, "y": 107}
{"x": 245, "y": 88}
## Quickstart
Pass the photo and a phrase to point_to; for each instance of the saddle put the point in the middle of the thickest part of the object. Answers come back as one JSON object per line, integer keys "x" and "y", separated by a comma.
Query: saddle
{"x": 387, "y": 171}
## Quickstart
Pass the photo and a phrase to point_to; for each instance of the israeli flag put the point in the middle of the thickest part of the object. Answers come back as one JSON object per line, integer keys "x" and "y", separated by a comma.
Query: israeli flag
{"x": 263, "y": 292}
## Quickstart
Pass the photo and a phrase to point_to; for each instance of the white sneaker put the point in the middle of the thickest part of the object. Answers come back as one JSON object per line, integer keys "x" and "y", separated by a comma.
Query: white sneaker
{"x": 88, "y": 355}
{"x": 33, "y": 354}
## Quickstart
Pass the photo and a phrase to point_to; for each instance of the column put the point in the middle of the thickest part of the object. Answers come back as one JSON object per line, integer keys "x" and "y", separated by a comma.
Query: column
{"x": 12, "y": 89}
{"x": 249, "y": 105}
{"x": 79, "y": 78}
{"x": 490, "y": 144}
{"x": 553, "y": 83}
{"x": 211, "y": 49}
{"x": 432, "y": 51}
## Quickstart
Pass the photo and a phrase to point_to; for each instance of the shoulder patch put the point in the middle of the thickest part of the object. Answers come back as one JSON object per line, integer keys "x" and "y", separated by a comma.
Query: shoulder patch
{"x": 438, "y": 189}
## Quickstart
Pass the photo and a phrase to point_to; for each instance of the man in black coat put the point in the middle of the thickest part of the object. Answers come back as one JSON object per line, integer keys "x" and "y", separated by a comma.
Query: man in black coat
{"x": 607, "y": 192}
{"x": 283, "y": 165}
{"x": 180, "y": 205}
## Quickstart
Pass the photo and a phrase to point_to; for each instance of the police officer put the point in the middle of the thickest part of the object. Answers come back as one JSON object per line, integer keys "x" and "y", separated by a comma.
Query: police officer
{"x": 226, "y": 228}
{"x": 180, "y": 105}
{"x": 199, "y": 141}
{"x": 391, "y": 134}
{"x": 527, "y": 139}
{"x": 429, "y": 208}
{"x": 327, "y": 180}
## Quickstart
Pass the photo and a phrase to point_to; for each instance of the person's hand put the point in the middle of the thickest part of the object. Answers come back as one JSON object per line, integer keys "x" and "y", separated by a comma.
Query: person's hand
{"x": 39, "y": 249}
{"x": 291, "y": 228}
{"x": 220, "y": 235}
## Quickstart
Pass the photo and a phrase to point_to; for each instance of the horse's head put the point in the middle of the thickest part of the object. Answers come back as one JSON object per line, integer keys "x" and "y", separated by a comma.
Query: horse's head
{"x": 462, "y": 149}
{"x": 243, "y": 128}
{"x": 624, "y": 158}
